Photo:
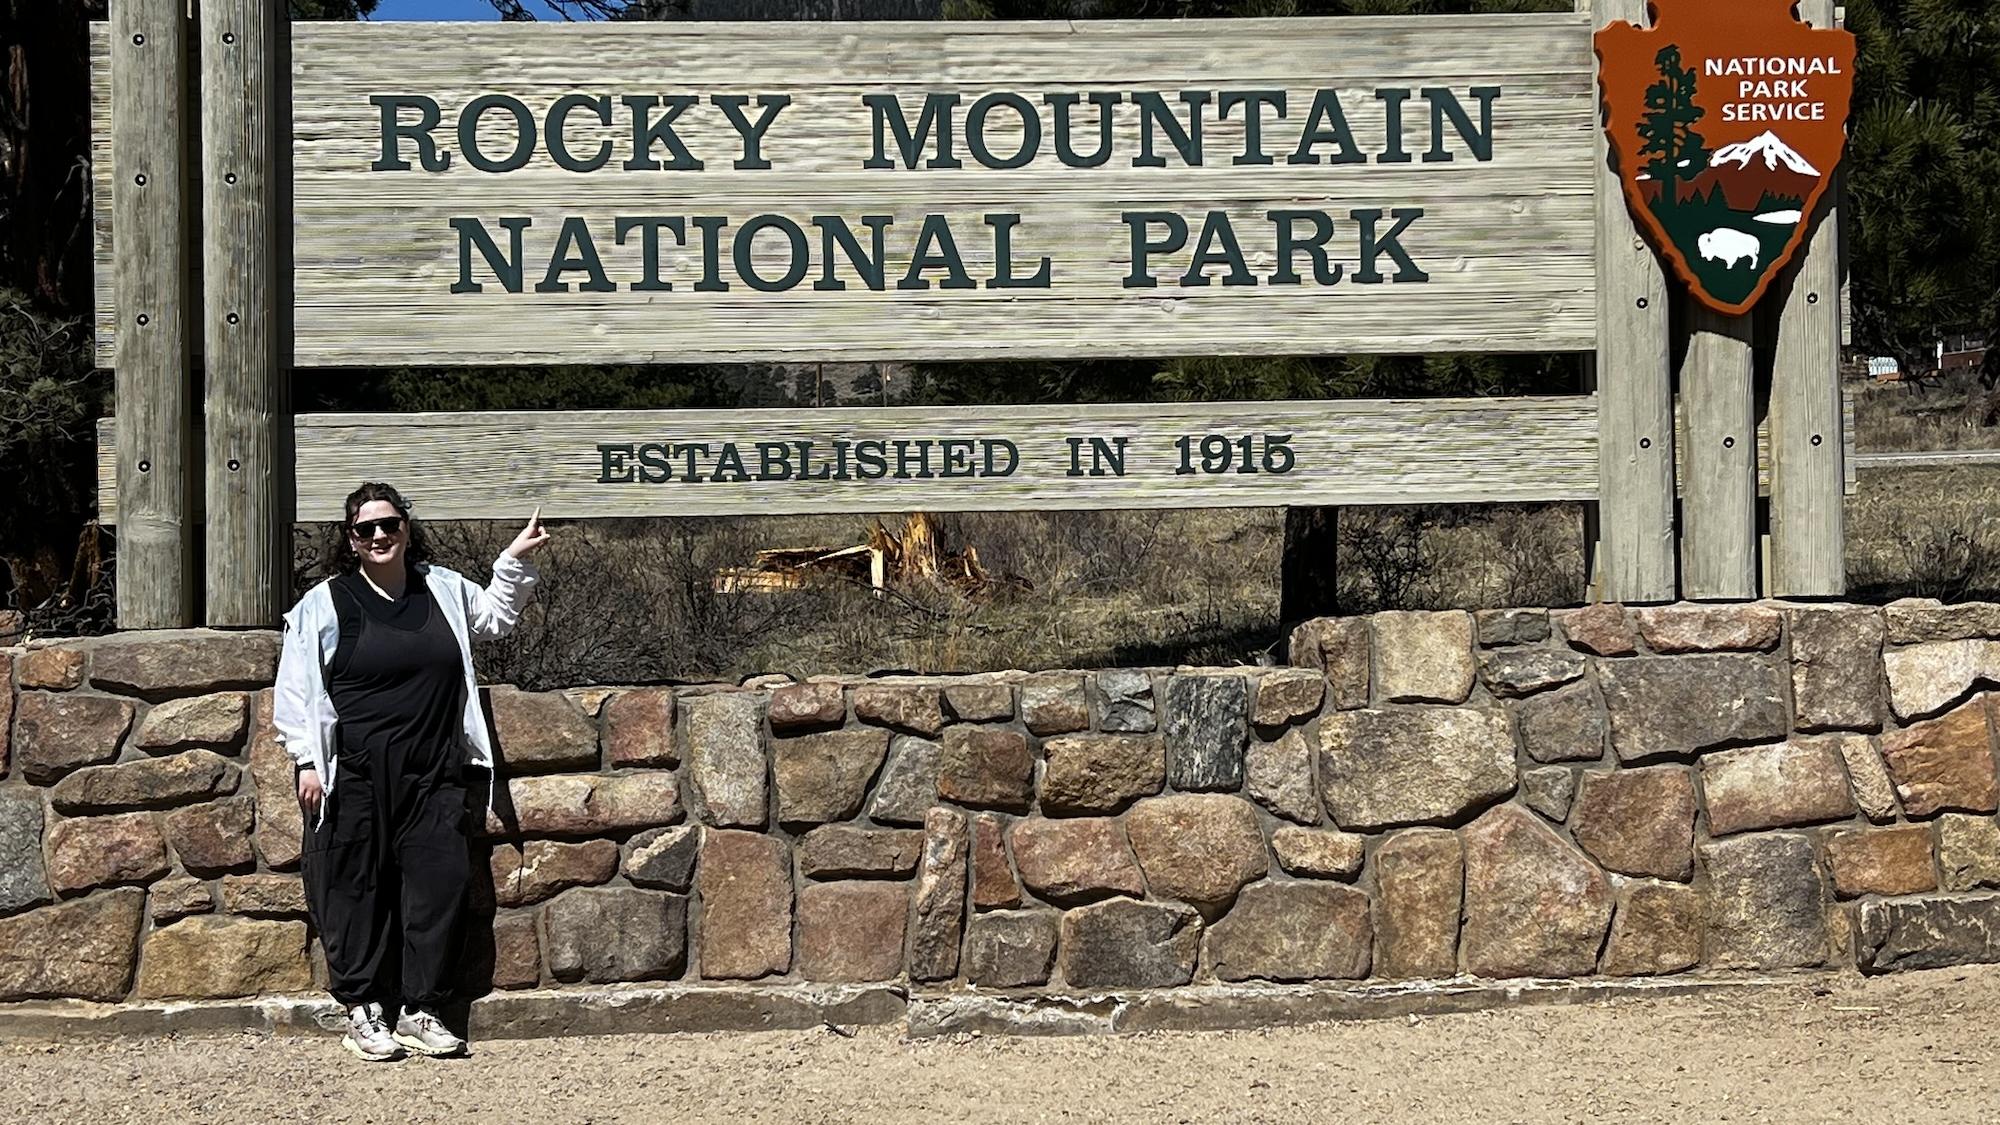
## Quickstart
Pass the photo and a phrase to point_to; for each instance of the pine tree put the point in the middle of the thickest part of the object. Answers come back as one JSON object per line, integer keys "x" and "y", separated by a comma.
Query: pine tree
{"x": 1667, "y": 133}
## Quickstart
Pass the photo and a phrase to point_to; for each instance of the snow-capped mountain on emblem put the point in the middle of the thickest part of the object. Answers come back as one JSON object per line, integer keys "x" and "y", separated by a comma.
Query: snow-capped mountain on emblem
{"x": 1768, "y": 146}
{"x": 1726, "y": 120}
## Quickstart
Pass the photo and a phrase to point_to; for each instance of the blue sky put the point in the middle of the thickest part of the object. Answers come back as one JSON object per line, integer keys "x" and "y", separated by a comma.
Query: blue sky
{"x": 448, "y": 10}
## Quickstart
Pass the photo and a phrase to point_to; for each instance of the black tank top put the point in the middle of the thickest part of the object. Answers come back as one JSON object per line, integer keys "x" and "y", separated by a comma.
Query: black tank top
{"x": 397, "y": 677}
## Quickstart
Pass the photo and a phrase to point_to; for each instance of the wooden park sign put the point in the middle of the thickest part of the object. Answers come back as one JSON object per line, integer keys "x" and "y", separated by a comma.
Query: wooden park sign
{"x": 460, "y": 194}
{"x": 520, "y": 193}
{"x": 1727, "y": 120}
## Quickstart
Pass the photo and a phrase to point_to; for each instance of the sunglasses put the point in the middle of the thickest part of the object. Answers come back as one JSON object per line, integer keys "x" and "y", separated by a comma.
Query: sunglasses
{"x": 366, "y": 529}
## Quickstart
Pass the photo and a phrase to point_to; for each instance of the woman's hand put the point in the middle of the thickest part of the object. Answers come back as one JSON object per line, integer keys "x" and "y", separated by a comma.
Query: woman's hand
{"x": 531, "y": 537}
{"x": 310, "y": 793}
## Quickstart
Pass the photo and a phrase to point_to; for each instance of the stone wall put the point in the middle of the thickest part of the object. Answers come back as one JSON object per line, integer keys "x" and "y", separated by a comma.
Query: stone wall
{"x": 1519, "y": 793}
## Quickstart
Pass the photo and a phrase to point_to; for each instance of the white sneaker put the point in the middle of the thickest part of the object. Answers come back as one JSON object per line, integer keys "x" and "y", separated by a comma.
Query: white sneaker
{"x": 425, "y": 1034}
{"x": 368, "y": 1037}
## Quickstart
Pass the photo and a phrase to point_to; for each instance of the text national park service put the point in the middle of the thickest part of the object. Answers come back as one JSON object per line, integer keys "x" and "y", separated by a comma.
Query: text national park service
{"x": 998, "y": 133}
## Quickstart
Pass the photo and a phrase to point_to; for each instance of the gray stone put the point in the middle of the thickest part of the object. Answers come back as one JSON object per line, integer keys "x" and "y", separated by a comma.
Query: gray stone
{"x": 1766, "y": 902}
{"x": 1548, "y": 790}
{"x": 170, "y": 900}
{"x": 1910, "y": 620}
{"x": 86, "y": 852}
{"x": 1534, "y": 905}
{"x": 607, "y": 934}
{"x": 279, "y": 832}
{"x": 1075, "y": 860}
{"x": 663, "y": 858}
{"x": 1968, "y": 851}
{"x": 54, "y": 734}
{"x": 824, "y": 776}
{"x": 1774, "y": 787}
{"x": 1416, "y": 765}
{"x": 1198, "y": 848}
{"x": 542, "y": 869}
{"x": 150, "y": 782}
{"x": 1055, "y": 703}
{"x": 841, "y": 851}
{"x": 908, "y": 708}
{"x": 1514, "y": 672}
{"x": 1125, "y": 944}
{"x": 585, "y": 804}
{"x": 1928, "y": 933}
{"x": 987, "y": 767}
{"x": 1100, "y": 773}
{"x": 214, "y": 721}
{"x": 909, "y": 783}
{"x": 82, "y": 950}
{"x": 745, "y": 883}
{"x": 1293, "y": 931}
{"x": 1318, "y": 853}
{"x": 1285, "y": 694}
{"x": 1733, "y": 627}
{"x": 1925, "y": 679}
{"x": 937, "y": 916}
{"x": 1278, "y": 776}
{"x": 639, "y": 729}
{"x": 1206, "y": 723}
{"x": 1874, "y": 793}
{"x": 213, "y": 837}
{"x": 1338, "y": 647}
{"x": 1638, "y": 821}
{"x": 852, "y": 931}
{"x": 1124, "y": 700}
{"x": 1676, "y": 706}
{"x": 1511, "y": 626}
{"x": 980, "y": 703}
{"x": 1423, "y": 657}
{"x": 180, "y": 662}
{"x": 1657, "y": 930}
{"x": 1011, "y": 948}
{"x": 1562, "y": 726}
{"x": 23, "y": 882}
{"x": 1599, "y": 629}
{"x": 726, "y": 760}
{"x": 1837, "y": 668}
{"x": 269, "y": 896}
{"x": 807, "y": 706}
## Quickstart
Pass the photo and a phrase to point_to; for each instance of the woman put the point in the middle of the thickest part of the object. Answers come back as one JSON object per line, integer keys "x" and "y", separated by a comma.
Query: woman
{"x": 377, "y": 704}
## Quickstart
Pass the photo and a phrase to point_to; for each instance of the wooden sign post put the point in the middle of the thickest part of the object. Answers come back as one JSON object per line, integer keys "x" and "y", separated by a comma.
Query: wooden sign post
{"x": 156, "y": 456}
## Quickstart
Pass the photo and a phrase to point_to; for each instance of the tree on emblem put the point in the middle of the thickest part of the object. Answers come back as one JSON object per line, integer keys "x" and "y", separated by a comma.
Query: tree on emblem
{"x": 1666, "y": 134}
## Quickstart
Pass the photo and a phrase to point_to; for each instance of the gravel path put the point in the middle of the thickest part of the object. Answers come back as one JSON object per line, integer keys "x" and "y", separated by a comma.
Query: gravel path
{"x": 1914, "y": 1047}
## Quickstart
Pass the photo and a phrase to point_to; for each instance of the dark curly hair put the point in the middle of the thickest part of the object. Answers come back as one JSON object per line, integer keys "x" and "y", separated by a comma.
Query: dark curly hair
{"x": 416, "y": 549}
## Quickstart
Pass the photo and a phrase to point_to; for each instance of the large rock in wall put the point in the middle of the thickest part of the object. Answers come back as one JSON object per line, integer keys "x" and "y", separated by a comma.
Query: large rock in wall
{"x": 1509, "y": 793}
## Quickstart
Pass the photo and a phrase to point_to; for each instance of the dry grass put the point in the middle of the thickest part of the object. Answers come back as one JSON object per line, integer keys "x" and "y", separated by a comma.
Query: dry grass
{"x": 1952, "y": 414}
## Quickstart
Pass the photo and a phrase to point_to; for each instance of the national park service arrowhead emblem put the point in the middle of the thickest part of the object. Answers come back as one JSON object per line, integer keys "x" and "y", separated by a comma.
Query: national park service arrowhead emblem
{"x": 1726, "y": 120}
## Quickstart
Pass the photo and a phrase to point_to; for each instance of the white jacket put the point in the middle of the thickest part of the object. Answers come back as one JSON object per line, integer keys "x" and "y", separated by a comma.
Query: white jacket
{"x": 302, "y": 712}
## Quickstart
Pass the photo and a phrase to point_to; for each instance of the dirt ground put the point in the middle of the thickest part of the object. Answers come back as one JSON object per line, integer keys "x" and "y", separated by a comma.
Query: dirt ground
{"x": 1916, "y": 1047}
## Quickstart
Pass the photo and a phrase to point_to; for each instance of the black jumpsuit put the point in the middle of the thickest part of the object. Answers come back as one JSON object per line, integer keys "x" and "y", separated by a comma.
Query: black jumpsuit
{"x": 387, "y": 870}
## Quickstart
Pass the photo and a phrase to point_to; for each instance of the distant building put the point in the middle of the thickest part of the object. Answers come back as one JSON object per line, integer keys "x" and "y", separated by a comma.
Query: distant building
{"x": 1967, "y": 350}
{"x": 1884, "y": 369}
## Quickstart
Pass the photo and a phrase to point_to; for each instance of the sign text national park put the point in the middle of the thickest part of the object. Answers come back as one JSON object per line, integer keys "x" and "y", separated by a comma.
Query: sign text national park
{"x": 684, "y": 192}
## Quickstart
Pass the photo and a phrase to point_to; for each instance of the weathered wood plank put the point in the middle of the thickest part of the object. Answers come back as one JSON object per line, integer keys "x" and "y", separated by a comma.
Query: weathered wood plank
{"x": 1808, "y": 556}
{"x": 499, "y": 465}
{"x": 1635, "y": 391}
{"x": 155, "y": 452}
{"x": 1719, "y": 488}
{"x": 245, "y": 386}
{"x": 1508, "y": 243}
